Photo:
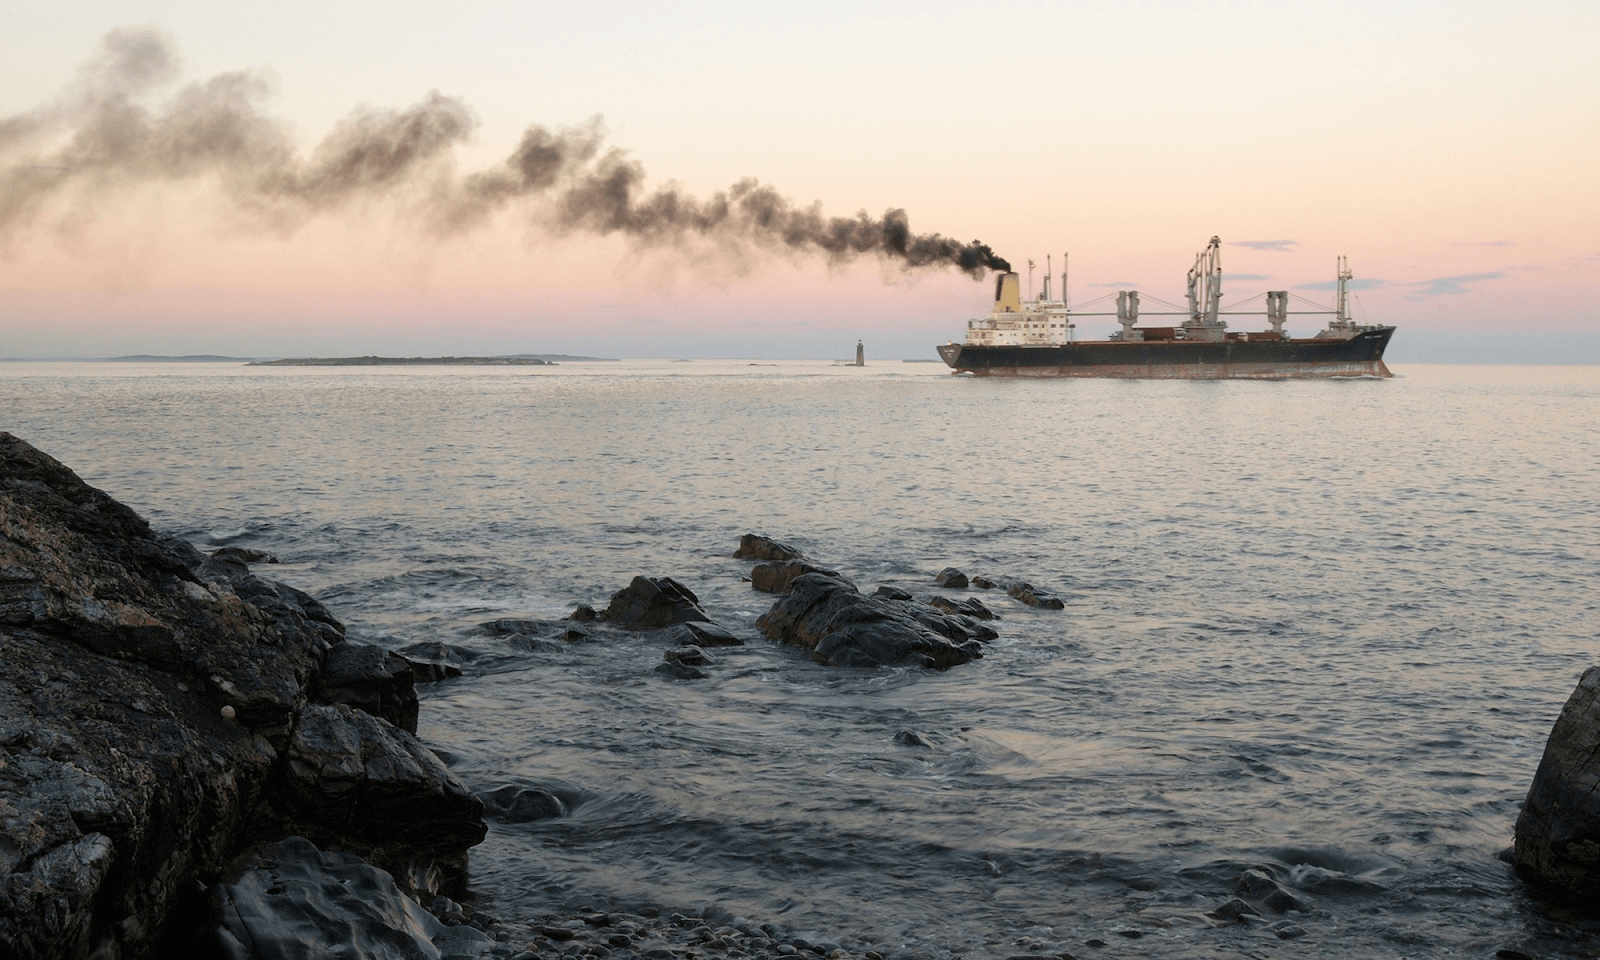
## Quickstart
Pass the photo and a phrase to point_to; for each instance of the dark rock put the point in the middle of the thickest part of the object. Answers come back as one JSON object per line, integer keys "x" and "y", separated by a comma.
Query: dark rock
{"x": 583, "y": 613}
{"x": 1270, "y": 892}
{"x": 120, "y": 778}
{"x": 649, "y": 603}
{"x": 359, "y": 782}
{"x": 707, "y": 634}
{"x": 690, "y": 655}
{"x": 681, "y": 671}
{"x": 1287, "y": 930}
{"x": 956, "y": 627}
{"x": 775, "y": 576}
{"x": 540, "y": 634}
{"x": 952, "y": 578}
{"x": 1558, "y": 832}
{"x": 911, "y": 738}
{"x": 967, "y": 607}
{"x": 511, "y": 627}
{"x": 517, "y": 804}
{"x": 891, "y": 593}
{"x": 372, "y": 679}
{"x": 984, "y": 583}
{"x": 1235, "y": 909}
{"x": 293, "y": 901}
{"x": 755, "y": 547}
{"x": 244, "y": 555}
{"x": 577, "y": 634}
{"x": 842, "y": 627}
{"x": 432, "y": 661}
{"x": 1034, "y": 597}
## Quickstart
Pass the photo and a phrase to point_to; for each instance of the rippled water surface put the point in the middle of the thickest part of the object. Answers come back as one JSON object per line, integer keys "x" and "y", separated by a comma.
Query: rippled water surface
{"x": 1321, "y": 628}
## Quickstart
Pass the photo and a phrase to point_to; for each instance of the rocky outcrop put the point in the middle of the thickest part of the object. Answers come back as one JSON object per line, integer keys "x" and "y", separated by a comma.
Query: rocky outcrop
{"x": 952, "y": 578}
{"x": 755, "y": 547}
{"x": 356, "y": 781}
{"x": 150, "y": 701}
{"x": 842, "y": 627}
{"x": 650, "y": 603}
{"x": 1558, "y": 832}
{"x": 775, "y": 576}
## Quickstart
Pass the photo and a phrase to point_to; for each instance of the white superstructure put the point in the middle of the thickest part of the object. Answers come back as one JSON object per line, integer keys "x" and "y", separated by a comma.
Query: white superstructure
{"x": 1016, "y": 322}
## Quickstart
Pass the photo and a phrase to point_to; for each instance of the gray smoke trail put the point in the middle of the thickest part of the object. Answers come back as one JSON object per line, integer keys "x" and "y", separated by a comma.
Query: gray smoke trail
{"x": 99, "y": 137}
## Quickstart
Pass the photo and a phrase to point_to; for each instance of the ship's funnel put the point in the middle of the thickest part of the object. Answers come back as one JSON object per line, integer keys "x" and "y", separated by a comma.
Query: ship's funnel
{"x": 1007, "y": 294}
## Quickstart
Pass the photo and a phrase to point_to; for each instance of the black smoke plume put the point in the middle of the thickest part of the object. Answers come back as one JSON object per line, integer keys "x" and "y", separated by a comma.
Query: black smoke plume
{"x": 100, "y": 137}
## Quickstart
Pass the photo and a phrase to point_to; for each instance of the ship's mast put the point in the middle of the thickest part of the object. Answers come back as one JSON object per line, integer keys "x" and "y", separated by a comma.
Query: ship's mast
{"x": 1341, "y": 304}
{"x": 1047, "y": 276}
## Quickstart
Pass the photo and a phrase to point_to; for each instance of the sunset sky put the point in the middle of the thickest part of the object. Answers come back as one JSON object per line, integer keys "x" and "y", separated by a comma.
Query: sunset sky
{"x": 1448, "y": 149}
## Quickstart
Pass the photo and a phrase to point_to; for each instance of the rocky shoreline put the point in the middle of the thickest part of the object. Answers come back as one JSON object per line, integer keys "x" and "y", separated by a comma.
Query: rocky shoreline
{"x": 193, "y": 757}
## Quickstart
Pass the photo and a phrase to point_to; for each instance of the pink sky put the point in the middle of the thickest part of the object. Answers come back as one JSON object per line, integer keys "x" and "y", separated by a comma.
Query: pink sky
{"x": 1447, "y": 149}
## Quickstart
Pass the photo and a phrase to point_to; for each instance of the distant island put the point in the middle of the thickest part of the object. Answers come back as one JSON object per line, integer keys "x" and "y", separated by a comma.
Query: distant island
{"x": 520, "y": 360}
{"x": 190, "y": 358}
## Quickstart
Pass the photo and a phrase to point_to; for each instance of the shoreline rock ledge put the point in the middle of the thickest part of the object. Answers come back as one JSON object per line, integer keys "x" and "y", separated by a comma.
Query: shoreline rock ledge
{"x": 1558, "y": 832}
{"x": 159, "y": 720}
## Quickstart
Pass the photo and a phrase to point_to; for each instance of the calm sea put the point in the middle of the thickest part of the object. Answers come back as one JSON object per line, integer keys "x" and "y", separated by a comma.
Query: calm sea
{"x": 1319, "y": 628}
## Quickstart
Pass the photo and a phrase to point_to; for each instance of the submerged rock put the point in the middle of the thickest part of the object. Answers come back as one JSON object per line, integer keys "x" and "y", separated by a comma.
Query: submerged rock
{"x": 891, "y": 593}
{"x": 432, "y": 661}
{"x": 775, "y": 577}
{"x": 984, "y": 583}
{"x": 697, "y": 634}
{"x": 755, "y": 547}
{"x": 244, "y": 555}
{"x": 1034, "y": 597}
{"x": 690, "y": 654}
{"x": 1558, "y": 831}
{"x": 649, "y": 603}
{"x": 516, "y": 804}
{"x": 843, "y": 628}
{"x": 969, "y": 607}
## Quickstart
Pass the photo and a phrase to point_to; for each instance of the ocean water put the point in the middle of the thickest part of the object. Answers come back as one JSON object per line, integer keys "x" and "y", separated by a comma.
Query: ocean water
{"x": 1316, "y": 628}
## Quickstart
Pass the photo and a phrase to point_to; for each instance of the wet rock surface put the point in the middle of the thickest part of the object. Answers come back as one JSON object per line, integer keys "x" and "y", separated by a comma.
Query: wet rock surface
{"x": 756, "y": 547}
{"x": 775, "y": 576}
{"x": 1034, "y": 596}
{"x": 290, "y": 900}
{"x": 842, "y": 627}
{"x": 149, "y": 699}
{"x": 952, "y": 578}
{"x": 650, "y": 603}
{"x": 1558, "y": 831}
{"x": 371, "y": 679}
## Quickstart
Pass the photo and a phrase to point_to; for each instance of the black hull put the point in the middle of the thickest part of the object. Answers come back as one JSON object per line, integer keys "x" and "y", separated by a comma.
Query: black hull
{"x": 1359, "y": 356}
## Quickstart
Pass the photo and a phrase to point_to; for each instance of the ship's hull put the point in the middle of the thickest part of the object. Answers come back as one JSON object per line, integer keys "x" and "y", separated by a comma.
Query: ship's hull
{"x": 1359, "y": 356}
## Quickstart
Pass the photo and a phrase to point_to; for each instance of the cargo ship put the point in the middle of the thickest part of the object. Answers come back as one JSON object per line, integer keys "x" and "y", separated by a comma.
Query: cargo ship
{"x": 1034, "y": 337}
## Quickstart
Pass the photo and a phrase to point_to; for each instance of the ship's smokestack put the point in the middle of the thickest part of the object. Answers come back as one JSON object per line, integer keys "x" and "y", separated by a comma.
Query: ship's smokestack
{"x": 101, "y": 137}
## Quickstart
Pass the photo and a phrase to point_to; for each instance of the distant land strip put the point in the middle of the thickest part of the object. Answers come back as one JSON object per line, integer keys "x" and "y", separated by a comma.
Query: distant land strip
{"x": 516, "y": 361}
